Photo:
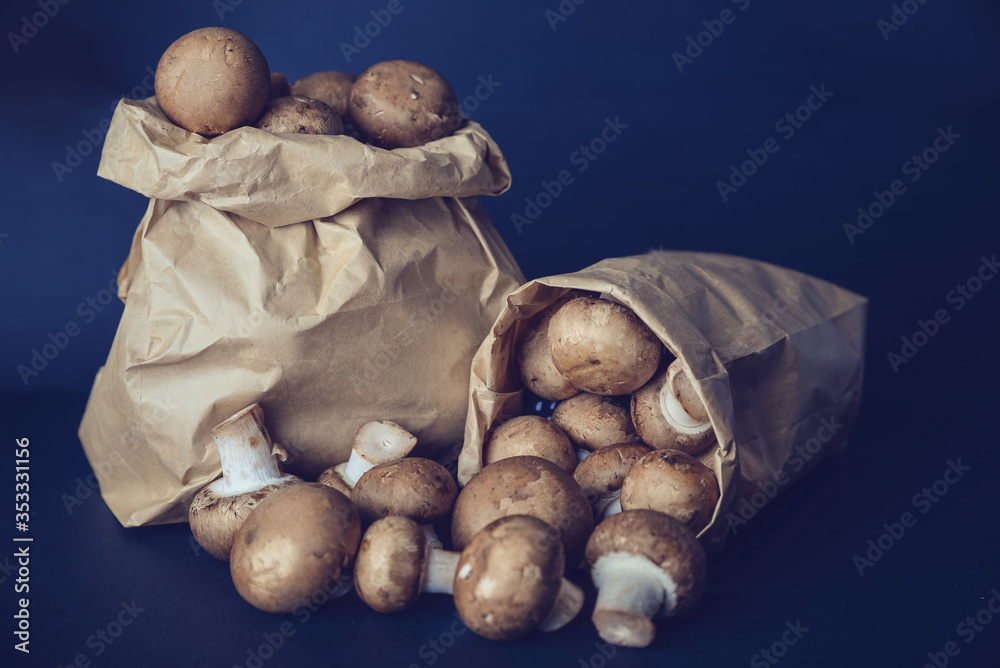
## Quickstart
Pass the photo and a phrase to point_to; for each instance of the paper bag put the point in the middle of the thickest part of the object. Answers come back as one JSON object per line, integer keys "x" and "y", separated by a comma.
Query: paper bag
{"x": 331, "y": 281}
{"x": 777, "y": 357}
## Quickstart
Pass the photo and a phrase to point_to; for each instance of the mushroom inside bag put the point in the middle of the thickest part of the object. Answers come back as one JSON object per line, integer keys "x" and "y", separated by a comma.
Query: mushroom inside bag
{"x": 773, "y": 358}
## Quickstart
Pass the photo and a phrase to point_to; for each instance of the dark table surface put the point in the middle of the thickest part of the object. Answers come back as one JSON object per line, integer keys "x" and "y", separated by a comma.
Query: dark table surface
{"x": 833, "y": 572}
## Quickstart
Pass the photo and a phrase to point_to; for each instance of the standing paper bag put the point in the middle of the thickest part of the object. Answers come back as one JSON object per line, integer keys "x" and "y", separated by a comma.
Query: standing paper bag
{"x": 777, "y": 357}
{"x": 333, "y": 282}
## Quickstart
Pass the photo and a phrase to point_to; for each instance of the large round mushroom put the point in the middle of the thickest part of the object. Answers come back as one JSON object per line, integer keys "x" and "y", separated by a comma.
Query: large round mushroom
{"x": 530, "y": 435}
{"x": 212, "y": 80}
{"x": 524, "y": 485}
{"x": 593, "y": 421}
{"x": 674, "y": 483}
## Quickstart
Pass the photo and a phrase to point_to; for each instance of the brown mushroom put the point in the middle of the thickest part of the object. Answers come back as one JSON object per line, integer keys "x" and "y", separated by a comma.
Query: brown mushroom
{"x": 413, "y": 487}
{"x": 530, "y": 435}
{"x": 602, "y": 347}
{"x": 375, "y": 443}
{"x": 524, "y": 485}
{"x": 592, "y": 421}
{"x": 331, "y": 88}
{"x": 294, "y": 546}
{"x": 212, "y": 80}
{"x": 510, "y": 580}
{"x": 400, "y": 103}
{"x": 395, "y": 565}
{"x": 601, "y": 473}
{"x": 299, "y": 115}
{"x": 673, "y": 483}
{"x": 534, "y": 361}
{"x": 642, "y": 562}
{"x": 668, "y": 414}
{"x": 249, "y": 473}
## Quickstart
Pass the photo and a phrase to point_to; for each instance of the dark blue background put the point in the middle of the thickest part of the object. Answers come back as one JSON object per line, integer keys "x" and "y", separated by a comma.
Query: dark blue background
{"x": 63, "y": 236}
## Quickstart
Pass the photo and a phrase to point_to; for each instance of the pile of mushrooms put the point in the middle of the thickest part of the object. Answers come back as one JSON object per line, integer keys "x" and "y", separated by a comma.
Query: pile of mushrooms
{"x": 214, "y": 80}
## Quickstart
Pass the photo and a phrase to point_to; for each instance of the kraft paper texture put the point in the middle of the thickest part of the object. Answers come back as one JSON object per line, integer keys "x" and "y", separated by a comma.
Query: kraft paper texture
{"x": 331, "y": 281}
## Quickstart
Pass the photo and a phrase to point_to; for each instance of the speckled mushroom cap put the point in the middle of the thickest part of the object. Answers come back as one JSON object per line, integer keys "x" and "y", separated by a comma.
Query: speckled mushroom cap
{"x": 534, "y": 361}
{"x": 400, "y": 103}
{"x": 294, "y": 114}
{"x": 390, "y": 564}
{"x": 508, "y": 577}
{"x": 674, "y": 483}
{"x": 530, "y": 435}
{"x": 601, "y": 474}
{"x": 413, "y": 487}
{"x": 592, "y": 421}
{"x": 524, "y": 485}
{"x": 297, "y": 540}
{"x": 662, "y": 540}
{"x": 602, "y": 347}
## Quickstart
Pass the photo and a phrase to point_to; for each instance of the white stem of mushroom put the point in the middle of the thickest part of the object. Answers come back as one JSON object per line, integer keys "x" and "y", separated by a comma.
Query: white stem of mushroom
{"x": 632, "y": 584}
{"x": 568, "y": 603}
{"x": 246, "y": 451}
{"x": 612, "y": 506}
{"x": 433, "y": 540}
{"x": 676, "y": 416}
{"x": 439, "y": 571}
{"x": 376, "y": 443}
{"x": 355, "y": 467}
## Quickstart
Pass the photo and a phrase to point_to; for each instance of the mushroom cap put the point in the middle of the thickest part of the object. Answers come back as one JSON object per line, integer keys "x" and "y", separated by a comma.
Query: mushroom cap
{"x": 652, "y": 425}
{"x": 389, "y": 568}
{"x": 413, "y": 487}
{"x": 400, "y": 103}
{"x": 331, "y": 88}
{"x": 279, "y": 85}
{"x": 662, "y": 540}
{"x": 534, "y": 361}
{"x": 674, "y": 483}
{"x": 299, "y": 115}
{"x": 212, "y": 80}
{"x": 601, "y": 474}
{"x": 602, "y": 347}
{"x": 593, "y": 421}
{"x": 216, "y": 517}
{"x": 508, "y": 577}
{"x": 331, "y": 478}
{"x": 293, "y": 546}
{"x": 530, "y": 435}
{"x": 524, "y": 485}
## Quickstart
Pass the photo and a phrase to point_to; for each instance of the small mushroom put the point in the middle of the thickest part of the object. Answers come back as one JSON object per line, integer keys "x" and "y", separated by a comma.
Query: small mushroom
{"x": 673, "y": 483}
{"x": 642, "y": 562}
{"x": 400, "y": 103}
{"x": 413, "y": 487}
{"x": 510, "y": 580}
{"x": 212, "y": 80}
{"x": 592, "y": 421}
{"x": 524, "y": 485}
{"x": 395, "y": 565}
{"x": 668, "y": 414}
{"x": 534, "y": 361}
{"x": 294, "y": 547}
{"x": 375, "y": 443}
{"x": 279, "y": 85}
{"x": 331, "y": 88}
{"x": 530, "y": 435}
{"x": 249, "y": 473}
{"x": 601, "y": 474}
{"x": 602, "y": 347}
{"x": 299, "y": 115}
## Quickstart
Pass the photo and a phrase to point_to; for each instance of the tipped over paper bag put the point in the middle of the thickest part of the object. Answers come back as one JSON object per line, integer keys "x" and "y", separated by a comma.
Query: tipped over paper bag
{"x": 331, "y": 281}
{"x": 777, "y": 357}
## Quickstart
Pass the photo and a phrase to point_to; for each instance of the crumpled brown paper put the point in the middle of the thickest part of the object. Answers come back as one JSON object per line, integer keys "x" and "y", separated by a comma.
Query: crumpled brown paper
{"x": 777, "y": 357}
{"x": 331, "y": 281}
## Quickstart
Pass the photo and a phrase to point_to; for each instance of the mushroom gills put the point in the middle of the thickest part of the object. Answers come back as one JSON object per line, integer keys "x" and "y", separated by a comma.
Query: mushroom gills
{"x": 630, "y": 591}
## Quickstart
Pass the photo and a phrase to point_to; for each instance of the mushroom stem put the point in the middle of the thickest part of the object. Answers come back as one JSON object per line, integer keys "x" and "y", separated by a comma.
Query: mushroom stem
{"x": 674, "y": 412}
{"x": 249, "y": 458}
{"x": 568, "y": 603}
{"x": 631, "y": 590}
{"x": 354, "y": 468}
{"x": 439, "y": 571}
{"x": 611, "y": 506}
{"x": 433, "y": 540}
{"x": 375, "y": 443}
